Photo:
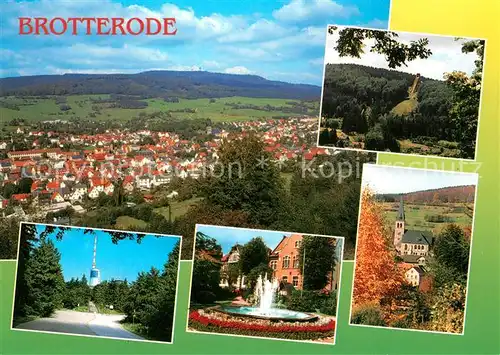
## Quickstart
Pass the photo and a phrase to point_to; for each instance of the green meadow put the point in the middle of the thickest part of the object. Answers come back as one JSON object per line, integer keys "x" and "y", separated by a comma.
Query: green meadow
{"x": 420, "y": 216}
{"x": 36, "y": 109}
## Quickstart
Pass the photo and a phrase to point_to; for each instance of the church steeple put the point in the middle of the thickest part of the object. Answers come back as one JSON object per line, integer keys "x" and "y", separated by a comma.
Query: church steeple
{"x": 401, "y": 211}
{"x": 399, "y": 226}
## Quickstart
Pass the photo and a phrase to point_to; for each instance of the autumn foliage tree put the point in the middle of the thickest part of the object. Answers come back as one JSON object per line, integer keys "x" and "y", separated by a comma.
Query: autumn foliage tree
{"x": 376, "y": 274}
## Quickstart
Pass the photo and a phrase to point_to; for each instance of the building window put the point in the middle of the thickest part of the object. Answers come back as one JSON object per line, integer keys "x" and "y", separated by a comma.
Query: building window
{"x": 285, "y": 279}
{"x": 295, "y": 281}
{"x": 286, "y": 262}
{"x": 295, "y": 262}
{"x": 274, "y": 264}
{"x": 298, "y": 243}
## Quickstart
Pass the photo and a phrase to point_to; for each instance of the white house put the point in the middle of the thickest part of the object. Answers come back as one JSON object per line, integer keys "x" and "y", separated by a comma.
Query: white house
{"x": 161, "y": 180}
{"x": 144, "y": 182}
{"x": 414, "y": 275}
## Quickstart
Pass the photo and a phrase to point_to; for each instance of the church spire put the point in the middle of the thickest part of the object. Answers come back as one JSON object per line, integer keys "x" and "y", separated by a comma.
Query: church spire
{"x": 401, "y": 212}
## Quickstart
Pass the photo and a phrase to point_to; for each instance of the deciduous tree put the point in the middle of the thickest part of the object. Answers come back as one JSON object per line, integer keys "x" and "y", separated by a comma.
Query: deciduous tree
{"x": 376, "y": 274}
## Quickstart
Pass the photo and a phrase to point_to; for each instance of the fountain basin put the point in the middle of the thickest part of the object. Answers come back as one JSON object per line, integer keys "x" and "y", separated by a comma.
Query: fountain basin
{"x": 274, "y": 314}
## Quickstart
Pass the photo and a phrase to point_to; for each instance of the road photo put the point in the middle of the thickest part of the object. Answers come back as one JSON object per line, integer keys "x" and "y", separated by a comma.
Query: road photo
{"x": 93, "y": 282}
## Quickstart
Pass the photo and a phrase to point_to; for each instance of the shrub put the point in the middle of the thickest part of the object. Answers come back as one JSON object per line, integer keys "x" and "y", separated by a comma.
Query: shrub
{"x": 306, "y": 301}
{"x": 438, "y": 218}
{"x": 329, "y": 305}
{"x": 368, "y": 315}
{"x": 206, "y": 297}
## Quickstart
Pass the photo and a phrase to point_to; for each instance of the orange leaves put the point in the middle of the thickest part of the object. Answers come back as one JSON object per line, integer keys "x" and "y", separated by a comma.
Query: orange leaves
{"x": 376, "y": 273}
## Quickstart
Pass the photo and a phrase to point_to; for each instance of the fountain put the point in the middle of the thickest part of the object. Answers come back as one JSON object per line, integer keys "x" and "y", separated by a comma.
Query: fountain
{"x": 265, "y": 292}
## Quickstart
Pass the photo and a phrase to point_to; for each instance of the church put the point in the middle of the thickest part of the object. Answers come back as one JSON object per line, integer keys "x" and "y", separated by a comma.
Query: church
{"x": 410, "y": 243}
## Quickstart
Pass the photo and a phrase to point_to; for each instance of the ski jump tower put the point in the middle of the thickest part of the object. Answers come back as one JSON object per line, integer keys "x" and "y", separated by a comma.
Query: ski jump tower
{"x": 95, "y": 274}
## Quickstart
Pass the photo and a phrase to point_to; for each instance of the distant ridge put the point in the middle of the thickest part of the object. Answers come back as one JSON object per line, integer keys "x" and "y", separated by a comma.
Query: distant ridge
{"x": 461, "y": 194}
{"x": 162, "y": 83}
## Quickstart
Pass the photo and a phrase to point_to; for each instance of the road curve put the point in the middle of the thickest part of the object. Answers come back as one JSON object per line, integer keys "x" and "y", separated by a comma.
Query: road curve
{"x": 72, "y": 322}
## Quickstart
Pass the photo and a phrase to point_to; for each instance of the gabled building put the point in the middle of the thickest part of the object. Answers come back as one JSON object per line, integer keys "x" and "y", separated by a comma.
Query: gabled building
{"x": 410, "y": 242}
{"x": 230, "y": 260}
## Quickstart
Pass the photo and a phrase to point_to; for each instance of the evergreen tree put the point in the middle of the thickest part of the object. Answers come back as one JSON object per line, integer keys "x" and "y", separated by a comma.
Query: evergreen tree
{"x": 44, "y": 280}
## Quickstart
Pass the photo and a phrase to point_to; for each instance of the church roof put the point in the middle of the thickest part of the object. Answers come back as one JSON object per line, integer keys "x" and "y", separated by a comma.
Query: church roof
{"x": 417, "y": 237}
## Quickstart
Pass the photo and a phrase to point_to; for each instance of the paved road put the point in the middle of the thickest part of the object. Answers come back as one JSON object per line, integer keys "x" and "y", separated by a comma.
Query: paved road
{"x": 73, "y": 322}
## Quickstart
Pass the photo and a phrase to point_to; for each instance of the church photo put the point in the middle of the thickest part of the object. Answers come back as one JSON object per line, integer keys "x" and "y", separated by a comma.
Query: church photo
{"x": 413, "y": 249}
{"x": 93, "y": 282}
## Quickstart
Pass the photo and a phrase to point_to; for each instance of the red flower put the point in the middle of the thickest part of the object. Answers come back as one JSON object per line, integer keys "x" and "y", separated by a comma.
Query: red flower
{"x": 278, "y": 328}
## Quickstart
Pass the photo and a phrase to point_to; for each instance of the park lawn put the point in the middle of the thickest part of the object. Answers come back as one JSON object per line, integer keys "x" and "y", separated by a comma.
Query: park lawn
{"x": 125, "y": 222}
{"x": 415, "y": 216}
{"x": 45, "y": 109}
{"x": 179, "y": 208}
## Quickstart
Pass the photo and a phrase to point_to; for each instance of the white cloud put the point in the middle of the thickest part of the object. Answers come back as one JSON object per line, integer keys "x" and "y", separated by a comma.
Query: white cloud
{"x": 317, "y": 61}
{"x": 184, "y": 68}
{"x": 238, "y": 70}
{"x": 446, "y": 56}
{"x": 301, "y": 10}
{"x": 260, "y": 30}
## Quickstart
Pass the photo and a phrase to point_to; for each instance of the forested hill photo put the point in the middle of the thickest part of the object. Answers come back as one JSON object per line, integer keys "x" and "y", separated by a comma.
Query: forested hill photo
{"x": 178, "y": 84}
{"x": 401, "y": 92}
{"x": 357, "y": 99}
{"x": 456, "y": 194}
{"x": 352, "y": 90}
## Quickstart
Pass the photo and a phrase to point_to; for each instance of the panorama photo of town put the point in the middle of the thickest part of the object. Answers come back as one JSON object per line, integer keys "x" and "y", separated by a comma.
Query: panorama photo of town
{"x": 156, "y": 135}
{"x": 156, "y": 159}
{"x": 265, "y": 284}
{"x": 413, "y": 251}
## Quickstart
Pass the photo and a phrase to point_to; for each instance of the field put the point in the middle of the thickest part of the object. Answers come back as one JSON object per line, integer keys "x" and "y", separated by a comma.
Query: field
{"x": 419, "y": 216}
{"x": 126, "y": 222}
{"x": 178, "y": 207}
{"x": 236, "y": 108}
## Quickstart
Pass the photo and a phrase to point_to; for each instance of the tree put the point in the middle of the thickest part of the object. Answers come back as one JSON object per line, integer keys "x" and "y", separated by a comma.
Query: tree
{"x": 247, "y": 180}
{"x": 466, "y": 96}
{"x": 206, "y": 213}
{"x": 206, "y": 269}
{"x": 25, "y": 185}
{"x": 448, "y": 310}
{"x": 263, "y": 270}
{"x": 253, "y": 254}
{"x": 9, "y": 189}
{"x": 44, "y": 280}
{"x": 350, "y": 43}
{"x": 9, "y": 234}
{"x": 451, "y": 256}
{"x": 317, "y": 258}
{"x": 376, "y": 274}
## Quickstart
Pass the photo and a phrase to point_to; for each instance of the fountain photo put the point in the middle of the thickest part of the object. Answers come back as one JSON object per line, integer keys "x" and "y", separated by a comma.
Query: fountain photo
{"x": 96, "y": 282}
{"x": 265, "y": 284}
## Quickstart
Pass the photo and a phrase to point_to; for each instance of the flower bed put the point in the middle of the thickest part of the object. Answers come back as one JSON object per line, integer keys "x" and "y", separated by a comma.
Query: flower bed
{"x": 208, "y": 321}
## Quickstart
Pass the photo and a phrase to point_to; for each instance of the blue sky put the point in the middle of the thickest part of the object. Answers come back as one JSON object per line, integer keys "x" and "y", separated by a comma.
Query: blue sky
{"x": 227, "y": 237}
{"x": 115, "y": 261}
{"x": 384, "y": 179}
{"x": 279, "y": 40}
